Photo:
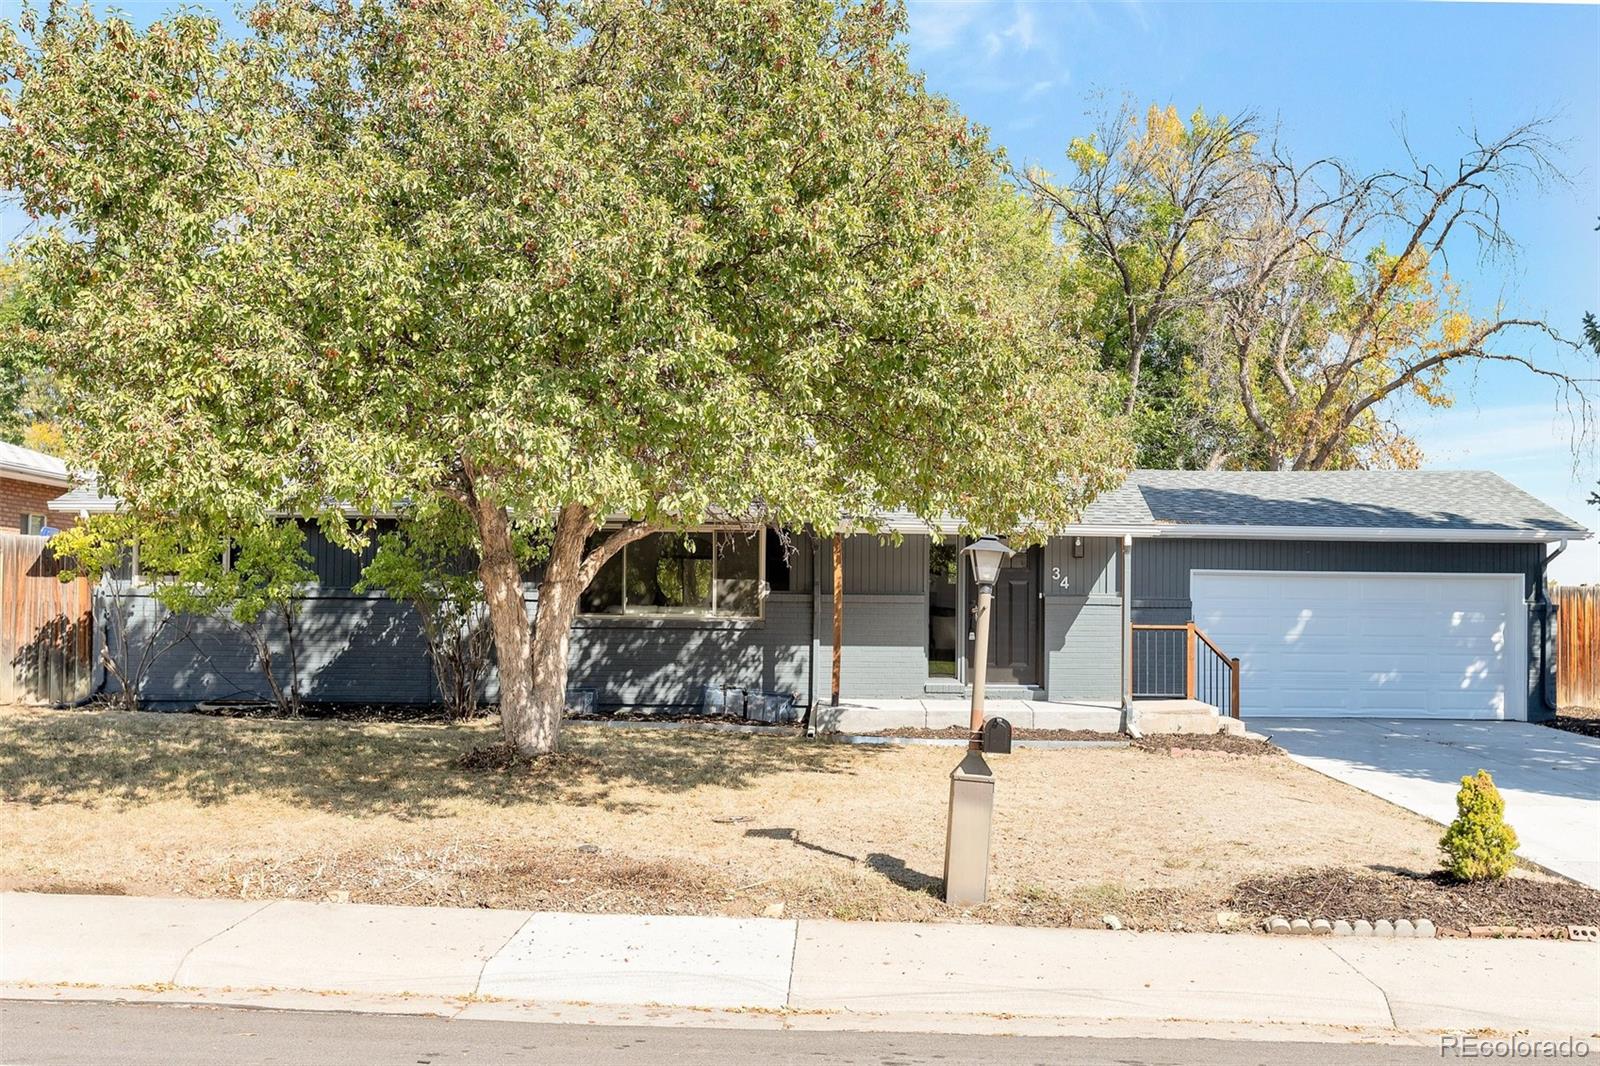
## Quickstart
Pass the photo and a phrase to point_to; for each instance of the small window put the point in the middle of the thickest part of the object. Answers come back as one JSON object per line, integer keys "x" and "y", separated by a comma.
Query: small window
{"x": 33, "y": 524}
{"x": 778, "y": 577}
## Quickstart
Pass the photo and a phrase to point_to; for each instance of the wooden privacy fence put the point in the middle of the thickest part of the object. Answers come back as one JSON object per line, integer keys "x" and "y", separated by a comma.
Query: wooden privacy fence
{"x": 46, "y": 626}
{"x": 1578, "y": 646}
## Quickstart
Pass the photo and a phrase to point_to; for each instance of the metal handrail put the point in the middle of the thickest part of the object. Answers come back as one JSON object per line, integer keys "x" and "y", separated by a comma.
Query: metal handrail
{"x": 1214, "y": 678}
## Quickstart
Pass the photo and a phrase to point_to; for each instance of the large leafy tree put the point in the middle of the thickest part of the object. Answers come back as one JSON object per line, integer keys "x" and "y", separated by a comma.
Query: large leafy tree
{"x": 607, "y": 267}
{"x": 1266, "y": 313}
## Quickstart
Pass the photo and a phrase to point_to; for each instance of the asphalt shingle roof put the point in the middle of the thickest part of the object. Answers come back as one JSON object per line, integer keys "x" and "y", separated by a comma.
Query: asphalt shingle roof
{"x": 1444, "y": 500}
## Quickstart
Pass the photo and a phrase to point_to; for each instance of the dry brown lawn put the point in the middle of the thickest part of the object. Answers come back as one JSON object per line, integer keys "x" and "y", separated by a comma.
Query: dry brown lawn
{"x": 647, "y": 820}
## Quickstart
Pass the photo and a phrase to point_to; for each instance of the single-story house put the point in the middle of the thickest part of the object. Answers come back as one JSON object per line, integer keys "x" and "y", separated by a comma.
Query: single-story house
{"x": 29, "y": 481}
{"x": 1385, "y": 593}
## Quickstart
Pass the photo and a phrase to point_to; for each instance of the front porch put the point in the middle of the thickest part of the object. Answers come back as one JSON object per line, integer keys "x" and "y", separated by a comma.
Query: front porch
{"x": 1151, "y": 716}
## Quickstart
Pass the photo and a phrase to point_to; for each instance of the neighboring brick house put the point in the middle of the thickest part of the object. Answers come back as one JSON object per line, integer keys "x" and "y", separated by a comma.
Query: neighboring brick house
{"x": 29, "y": 480}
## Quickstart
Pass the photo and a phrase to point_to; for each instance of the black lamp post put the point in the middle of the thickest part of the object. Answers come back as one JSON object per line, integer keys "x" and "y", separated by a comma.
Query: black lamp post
{"x": 966, "y": 847}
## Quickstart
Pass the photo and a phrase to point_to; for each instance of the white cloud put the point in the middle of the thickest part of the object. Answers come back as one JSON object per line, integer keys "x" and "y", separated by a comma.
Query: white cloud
{"x": 939, "y": 25}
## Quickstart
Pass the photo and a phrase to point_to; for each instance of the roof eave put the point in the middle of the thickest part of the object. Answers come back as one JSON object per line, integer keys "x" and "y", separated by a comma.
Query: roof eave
{"x": 1359, "y": 533}
{"x": 36, "y": 477}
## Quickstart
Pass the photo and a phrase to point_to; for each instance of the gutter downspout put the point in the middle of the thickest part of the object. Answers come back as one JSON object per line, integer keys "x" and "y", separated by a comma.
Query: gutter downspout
{"x": 1547, "y": 675}
{"x": 1130, "y": 725}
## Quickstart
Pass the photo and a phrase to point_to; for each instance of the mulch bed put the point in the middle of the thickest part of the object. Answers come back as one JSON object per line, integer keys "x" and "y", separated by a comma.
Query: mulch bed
{"x": 1157, "y": 743}
{"x": 1585, "y": 720}
{"x": 1219, "y": 743}
{"x": 332, "y": 712}
{"x": 426, "y": 712}
{"x": 503, "y": 757}
{"x": 1453, "y": 906}
{"x": 957, "y": 732}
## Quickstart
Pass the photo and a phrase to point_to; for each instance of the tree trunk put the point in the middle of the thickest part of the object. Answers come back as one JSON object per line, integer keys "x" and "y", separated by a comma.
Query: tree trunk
{"x": 527, "y": 725}
{"x": 294, "y": 658}
{"x": 552, "y": 632}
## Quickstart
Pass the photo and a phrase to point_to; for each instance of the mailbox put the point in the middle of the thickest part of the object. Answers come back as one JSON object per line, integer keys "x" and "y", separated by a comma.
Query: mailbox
{"x": 997, "y": 736}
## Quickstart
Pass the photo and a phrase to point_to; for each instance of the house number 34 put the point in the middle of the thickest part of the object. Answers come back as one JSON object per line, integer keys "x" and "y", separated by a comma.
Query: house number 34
{"x": 1059, "y": 578}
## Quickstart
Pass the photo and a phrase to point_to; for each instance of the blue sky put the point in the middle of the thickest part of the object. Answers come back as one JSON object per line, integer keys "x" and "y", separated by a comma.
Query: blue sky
{"x": 1343, "y": 80}
{"x": 1339, "y": 79}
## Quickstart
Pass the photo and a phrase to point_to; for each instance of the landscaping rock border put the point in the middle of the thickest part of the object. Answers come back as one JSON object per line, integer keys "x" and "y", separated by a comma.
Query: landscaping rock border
{"x": 1383, "y": 928}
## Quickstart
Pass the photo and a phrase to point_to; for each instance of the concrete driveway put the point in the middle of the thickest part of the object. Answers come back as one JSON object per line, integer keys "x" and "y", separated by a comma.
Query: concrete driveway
{"x": 1550, "y": 779}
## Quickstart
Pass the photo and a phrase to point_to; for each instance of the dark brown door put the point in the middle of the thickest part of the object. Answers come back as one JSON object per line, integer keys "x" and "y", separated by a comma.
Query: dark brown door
{"x": 1014, "y": 622}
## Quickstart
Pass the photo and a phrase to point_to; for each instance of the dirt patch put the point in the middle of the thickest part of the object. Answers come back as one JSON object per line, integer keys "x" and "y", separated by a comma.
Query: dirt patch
{"x": 1517, "y": 900}
{"x": 1214, "y": 743}
{"x": 664, "y": 821}
{"x": 1585, "y": 720}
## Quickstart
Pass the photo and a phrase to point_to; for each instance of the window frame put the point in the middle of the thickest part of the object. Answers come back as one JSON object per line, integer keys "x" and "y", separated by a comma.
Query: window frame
{"x": 625, "y": 615}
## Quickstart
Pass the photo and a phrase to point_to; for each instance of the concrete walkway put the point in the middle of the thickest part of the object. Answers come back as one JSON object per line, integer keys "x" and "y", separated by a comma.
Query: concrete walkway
{"x": 860, "y": 974}
{"x": 1550, "y": 779}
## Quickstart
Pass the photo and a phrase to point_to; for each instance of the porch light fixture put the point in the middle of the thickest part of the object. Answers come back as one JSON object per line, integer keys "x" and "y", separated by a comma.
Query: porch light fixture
{"x": 971, "y": 815}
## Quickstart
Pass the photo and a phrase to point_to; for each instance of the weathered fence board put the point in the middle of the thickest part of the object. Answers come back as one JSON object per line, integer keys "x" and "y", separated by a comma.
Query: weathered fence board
{"x": 46, "y": 626}
{"x": 1578, "y": 646}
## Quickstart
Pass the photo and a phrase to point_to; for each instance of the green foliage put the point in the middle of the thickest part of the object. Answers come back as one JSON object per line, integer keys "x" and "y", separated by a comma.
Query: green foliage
{"x": 430, "y": 562}
{"x": 563, "y": 260}
{"x": 104, "y": 549}
{"x": 251, "y": 579}
{"x": 660, "y": 260}
{"x": 1479, "y": 845}
{"x": 247, "y": 574}
{"x": 28, "y": 400}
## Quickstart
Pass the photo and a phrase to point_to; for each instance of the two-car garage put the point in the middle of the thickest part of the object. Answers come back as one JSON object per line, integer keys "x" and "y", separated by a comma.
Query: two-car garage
{"x": 1387, "y": 645}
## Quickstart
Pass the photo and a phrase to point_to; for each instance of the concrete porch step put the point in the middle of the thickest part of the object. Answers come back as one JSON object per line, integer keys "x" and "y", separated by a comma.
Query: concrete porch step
{"x": 869, "y": 715}
{"x": 1183, "y": 716}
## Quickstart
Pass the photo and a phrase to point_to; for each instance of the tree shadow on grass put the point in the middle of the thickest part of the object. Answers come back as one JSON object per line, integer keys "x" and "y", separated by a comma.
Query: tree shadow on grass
{"x": 892, "y": 868}
{"x": 108, "y": 758}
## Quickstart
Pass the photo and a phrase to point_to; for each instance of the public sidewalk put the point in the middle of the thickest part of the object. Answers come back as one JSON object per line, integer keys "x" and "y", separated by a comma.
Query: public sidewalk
{"x": 474, "y": 963}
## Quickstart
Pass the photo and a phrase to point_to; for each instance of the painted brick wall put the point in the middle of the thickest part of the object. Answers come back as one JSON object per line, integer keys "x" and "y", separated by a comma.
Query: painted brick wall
{"x": 369, "y": 648}
{"x": 18, "y": 498}
{"x": 1083, "y": 648}
{"x": 885, "y": 646}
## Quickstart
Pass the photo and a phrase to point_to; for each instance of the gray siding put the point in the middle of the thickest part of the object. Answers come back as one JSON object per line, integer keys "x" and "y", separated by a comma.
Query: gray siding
{"x": 874, "y": 567}
{"x": 370, "y": 649}
{"x": 1093, "y": 575}
{"x": 1082, "y": 620}
{"x": 1161, "y": 571}
{"x": 1161, "y": 566}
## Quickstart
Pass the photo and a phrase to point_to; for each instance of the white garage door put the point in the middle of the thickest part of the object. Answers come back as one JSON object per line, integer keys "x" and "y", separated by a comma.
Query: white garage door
{"x": 1376, "y": 645}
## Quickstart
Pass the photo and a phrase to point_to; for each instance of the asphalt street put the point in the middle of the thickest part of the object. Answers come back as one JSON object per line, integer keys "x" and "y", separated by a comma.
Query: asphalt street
{"x": 110, "y": 1034}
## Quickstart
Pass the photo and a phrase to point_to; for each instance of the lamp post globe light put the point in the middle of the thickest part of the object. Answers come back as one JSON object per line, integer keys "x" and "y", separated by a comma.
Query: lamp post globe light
{"x": 971, "y": 814}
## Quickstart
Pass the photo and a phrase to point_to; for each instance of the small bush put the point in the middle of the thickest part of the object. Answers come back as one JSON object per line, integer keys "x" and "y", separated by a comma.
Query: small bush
{"x": 1479, "y": 845}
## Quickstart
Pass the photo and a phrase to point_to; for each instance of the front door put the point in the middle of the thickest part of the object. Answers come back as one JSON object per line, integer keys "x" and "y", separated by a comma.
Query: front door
{"x": 1014, "y": 622}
